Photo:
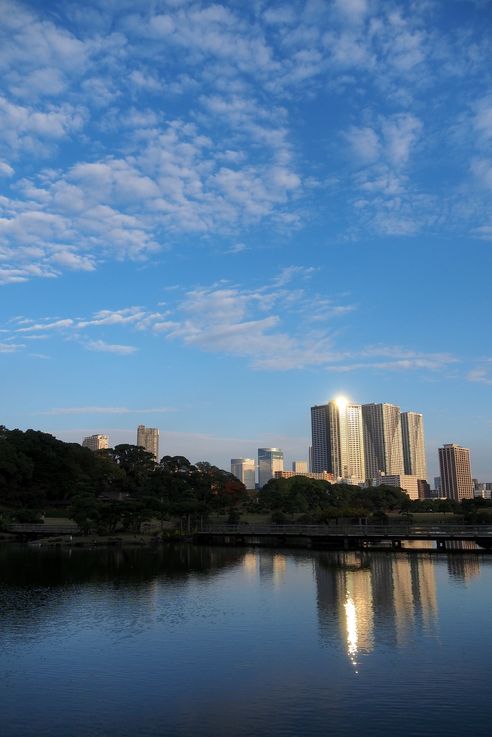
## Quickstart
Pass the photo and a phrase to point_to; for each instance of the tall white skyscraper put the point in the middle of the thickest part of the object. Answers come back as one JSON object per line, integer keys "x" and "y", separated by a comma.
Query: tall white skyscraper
{"x": 412, "y": 430}
{"x": 269, "y": 461}
{"x": 244, "y": 469}
{"x": 382, "y": 439}
{"x": 96, "y": 442}
{"x": 338, "y": 440}
{"x": 148, "y": 438}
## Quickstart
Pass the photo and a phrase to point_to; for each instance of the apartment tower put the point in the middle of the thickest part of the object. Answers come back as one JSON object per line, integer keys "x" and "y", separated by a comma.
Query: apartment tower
{"x": 412, "y": 431}
{"x": 148, "y": 438}
{"x": 337, "y": 440}
{"x": 96, "y": 442}
{"x": 456, "y": 476}
{"x": 382, "y": 440}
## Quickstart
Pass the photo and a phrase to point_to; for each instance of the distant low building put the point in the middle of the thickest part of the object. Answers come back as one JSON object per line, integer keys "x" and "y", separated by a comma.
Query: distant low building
{"x": 409, "y": 484}
{"x": 321, "y": 476}
{"x": 96, "y": 442}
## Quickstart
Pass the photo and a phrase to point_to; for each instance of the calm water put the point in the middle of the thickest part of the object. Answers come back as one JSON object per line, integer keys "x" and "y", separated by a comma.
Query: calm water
{"x": 214, "y": 641}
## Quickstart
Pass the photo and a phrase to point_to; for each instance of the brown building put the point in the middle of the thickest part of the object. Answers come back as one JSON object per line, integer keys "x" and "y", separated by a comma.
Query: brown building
{"x": 456, "y": 476}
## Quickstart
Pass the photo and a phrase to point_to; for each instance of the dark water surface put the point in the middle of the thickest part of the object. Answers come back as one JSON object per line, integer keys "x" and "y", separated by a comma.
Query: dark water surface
{"x": 235, "y": 642}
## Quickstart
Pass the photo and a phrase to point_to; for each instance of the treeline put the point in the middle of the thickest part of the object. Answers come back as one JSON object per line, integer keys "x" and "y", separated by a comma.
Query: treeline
{"x": 121, "y": 487}
{"x": 313, "y": 501}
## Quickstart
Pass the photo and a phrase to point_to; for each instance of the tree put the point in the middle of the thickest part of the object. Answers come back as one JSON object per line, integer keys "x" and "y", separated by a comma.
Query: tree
{"x": 85, "y": 512}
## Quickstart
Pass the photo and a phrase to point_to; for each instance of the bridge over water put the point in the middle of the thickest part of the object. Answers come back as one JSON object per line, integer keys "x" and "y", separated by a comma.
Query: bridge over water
{"x": 348, "y": 537}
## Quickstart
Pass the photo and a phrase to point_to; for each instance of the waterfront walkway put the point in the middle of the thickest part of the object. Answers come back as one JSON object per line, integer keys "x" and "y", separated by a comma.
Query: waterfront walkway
{"x": 346, "y": 536}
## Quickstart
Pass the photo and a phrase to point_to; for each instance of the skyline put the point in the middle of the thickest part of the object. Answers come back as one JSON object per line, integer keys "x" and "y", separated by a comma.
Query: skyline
{"x": 213, "y": 217}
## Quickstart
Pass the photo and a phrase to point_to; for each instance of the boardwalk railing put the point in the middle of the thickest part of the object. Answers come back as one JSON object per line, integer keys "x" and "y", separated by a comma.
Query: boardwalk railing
{"x": 376, "y": 531}
{"x": 40, "y": 528}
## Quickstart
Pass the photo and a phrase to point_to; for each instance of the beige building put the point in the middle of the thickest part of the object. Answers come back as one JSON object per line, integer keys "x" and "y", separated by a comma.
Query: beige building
{"x": 412, "y": 431}
{"x": 96, "y": 442}
{"x": 321, "y": 476}
{"x": 244, "y": 469}
{"x": 456, "y": 475}
{"x": 409, "y": 484}
{"x": 148, "y": 438}
{"x": 300, "y": 466}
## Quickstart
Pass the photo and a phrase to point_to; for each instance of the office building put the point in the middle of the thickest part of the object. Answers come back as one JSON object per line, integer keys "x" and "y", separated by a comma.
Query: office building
{"x": 269, "y": 461}
{"x": 337, "y": 440}
{"x": 96, "y": 442}
{"x": 244, "y": 469}
{"x": 300, "y": 466}
{"x": 456, "y": 477}
{"x": 148, "y": 438}
{"x": 412, "y": 432}
{"x": 382, "y": 440}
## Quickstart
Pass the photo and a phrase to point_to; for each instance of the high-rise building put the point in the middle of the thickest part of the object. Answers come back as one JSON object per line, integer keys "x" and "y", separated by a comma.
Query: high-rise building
{"x": 382, "y": 439}
{"x": 337, "y": 440}
{"x": 96, "y": 442}
{"x": 456, "y": 477}
{"x": 300, "y": 466}
{"x": 269, "y": 461}
{"x": 244, "y": 469}
{"x": 148, "y": 438}
{"x": 412, "y": 431}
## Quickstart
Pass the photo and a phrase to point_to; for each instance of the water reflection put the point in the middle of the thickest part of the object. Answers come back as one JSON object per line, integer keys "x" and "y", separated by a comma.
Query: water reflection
{"x": 461, "y": 567}
{"x": 270, "y": 566}
{"x": 211, "y": 641}
{"x": 365, "y": 598}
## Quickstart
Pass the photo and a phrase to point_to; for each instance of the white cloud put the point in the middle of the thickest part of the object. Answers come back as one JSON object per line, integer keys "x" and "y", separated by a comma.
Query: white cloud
{"x": 55, "y": 325}
{"x": 102, "y": 346}
{"x": 10, "y": 347}
{"x": 6, "y": 170}
{"x": 401, "y": 133}
{"x": 353, "y": 10}
{"x": 73, "y": 261}
{"x": 481, "y": 375}
{"x": 364, "y": 142}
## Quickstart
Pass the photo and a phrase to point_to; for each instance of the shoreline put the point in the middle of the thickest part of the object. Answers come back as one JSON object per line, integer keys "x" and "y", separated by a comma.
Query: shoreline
{"x": 91, "y": 542}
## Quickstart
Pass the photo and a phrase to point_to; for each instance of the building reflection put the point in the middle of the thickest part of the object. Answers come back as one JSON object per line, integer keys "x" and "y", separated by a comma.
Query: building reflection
{"x": 373, "y": 599}
{"x": 462, "y": 567}
{"x": 271, "y": 566}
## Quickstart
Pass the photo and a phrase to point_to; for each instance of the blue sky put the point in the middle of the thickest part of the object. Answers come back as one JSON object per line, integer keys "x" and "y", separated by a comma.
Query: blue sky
{"x": 213, "y": 216}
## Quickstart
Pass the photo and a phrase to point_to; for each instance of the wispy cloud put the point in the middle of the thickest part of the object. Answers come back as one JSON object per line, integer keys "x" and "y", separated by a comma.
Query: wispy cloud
{"x": 102, "y": 346}
{"x": 280, "y": 325}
